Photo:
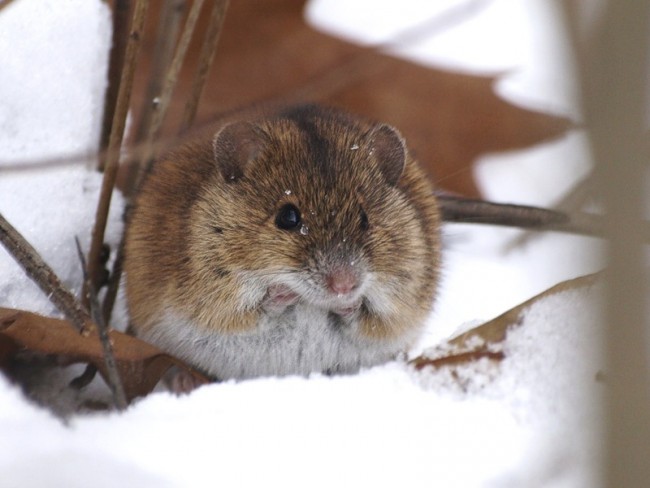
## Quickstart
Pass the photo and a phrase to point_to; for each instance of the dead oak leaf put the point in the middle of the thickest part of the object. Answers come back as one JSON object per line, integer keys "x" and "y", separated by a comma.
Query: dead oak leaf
{"x": 140, "y": 365}
{"x": 485, "y": 341}
{"x": 268, "y": 53}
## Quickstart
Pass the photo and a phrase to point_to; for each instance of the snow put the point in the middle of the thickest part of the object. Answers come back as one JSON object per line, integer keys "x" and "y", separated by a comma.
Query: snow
{"x": 50, "y": 112}
{"x": 531, "y": 421}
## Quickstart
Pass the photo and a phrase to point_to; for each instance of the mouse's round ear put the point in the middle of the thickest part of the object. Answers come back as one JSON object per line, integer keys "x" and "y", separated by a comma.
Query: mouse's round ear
{"x": 389, "y": 151}
{"x": 235, "y": 146}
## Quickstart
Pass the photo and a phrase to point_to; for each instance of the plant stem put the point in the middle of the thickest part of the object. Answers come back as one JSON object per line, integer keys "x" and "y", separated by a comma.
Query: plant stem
{"x": 114, "y": 380}
{"x": 166, "y": 38}
{"x": 160, "y": 109}
{"x": 205, "y": 62}
{"x": 41, "y": 274}
{"x": 469, "y": 211}
{"x": 115, "y": 141}
{"x": 115, "y": 66}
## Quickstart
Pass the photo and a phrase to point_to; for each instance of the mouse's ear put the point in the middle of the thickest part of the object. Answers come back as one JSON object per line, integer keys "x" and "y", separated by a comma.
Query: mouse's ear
{"x": 235, "y": 146}
{"x": 389, "y": 150}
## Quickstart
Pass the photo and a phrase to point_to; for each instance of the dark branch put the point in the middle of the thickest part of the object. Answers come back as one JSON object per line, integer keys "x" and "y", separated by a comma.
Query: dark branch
{"x": 463, "y": 210}
{"x": 114, "y": 380}
{"x": 39, "y": 272}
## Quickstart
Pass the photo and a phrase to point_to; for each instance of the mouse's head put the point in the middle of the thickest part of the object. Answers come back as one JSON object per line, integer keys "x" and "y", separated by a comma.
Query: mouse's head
{"x": 329, "y": 206}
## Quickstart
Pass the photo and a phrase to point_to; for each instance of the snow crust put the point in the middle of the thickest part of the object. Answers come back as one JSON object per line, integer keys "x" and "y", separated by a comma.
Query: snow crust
{"x": 532, "y": 421}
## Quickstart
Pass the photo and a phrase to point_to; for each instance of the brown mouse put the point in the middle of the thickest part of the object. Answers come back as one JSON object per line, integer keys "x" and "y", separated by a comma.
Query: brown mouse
{"x": 304, "y": 241}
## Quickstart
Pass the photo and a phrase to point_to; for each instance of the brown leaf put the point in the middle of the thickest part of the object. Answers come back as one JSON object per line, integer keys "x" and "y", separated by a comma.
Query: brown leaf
{"x": 141, "y": 365}
{"x": 480, "y": 342}
{"x": 268, "y": 52}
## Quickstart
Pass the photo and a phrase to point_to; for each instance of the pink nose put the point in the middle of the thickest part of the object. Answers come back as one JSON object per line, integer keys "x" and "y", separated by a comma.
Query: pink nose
{"x": 342, "y": 281}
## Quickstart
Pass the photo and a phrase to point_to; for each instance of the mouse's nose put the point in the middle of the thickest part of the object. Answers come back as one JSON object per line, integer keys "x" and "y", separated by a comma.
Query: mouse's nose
{"x": 342, "y": 281}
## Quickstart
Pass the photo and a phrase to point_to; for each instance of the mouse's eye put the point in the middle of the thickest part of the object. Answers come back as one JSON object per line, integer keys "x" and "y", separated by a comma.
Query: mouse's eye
{"x": 288, "y": 217}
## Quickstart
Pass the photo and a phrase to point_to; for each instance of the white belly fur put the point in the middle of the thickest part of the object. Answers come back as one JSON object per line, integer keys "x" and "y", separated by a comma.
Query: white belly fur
{"x": 300, "y": 341}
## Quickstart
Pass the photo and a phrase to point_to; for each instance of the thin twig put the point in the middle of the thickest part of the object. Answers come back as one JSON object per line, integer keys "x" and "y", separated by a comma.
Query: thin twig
{"x": 121, "y": 10}
{"x": 157, "y": 115}
{"x": 158, "y": 112}
{"x": 85, "y": 378}
{"x": 160, "y": 109}
{"x": 469, "y": 211}
{"x": 578, "y": 195}
{"x": 114, "y": 282}
{"x": 115, "y": 142}
{"x": 39, "y": 272}
{"x": 205, "y": 62}
{"x": 163, "y": 53}
{"x": 571, "y": 204}
{"x": 169, "y": 25}
{"x": 114, "y": 379}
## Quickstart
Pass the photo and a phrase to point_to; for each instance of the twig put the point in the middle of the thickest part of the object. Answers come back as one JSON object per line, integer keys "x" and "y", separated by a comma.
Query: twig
{"x": 115, "y": 141}
{"x": 205, "y": 62}
{"x": 571, "y": 204}
{"x": 115, "y": 66}
{"x": 462, "y": 210}
{"x": 160, "y": 109}
{"x": 39, "y": 272}
{"x": 158, "y": 112}
{"x": 578, "y": 195}
{"x": 114, "y": 282}
{"x": 84, "y": 378}
{"x": 114, "y": 380}
{"x": 166, "y": 38}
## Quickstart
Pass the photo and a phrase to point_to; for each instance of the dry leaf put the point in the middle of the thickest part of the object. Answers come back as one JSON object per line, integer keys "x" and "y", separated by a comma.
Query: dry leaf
{"x": 484, "y": 341}
{"x": 268, "y": 52}
{"x": 140, "y": 365}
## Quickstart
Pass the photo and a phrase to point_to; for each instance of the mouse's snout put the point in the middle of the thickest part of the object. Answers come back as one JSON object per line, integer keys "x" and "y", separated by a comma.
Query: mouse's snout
{"x": 342, "y": 280}
{"x": 340, "y": 270}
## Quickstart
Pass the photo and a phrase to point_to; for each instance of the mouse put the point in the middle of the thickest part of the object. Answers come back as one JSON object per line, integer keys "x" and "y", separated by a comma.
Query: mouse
{"x": 301, "y": 241}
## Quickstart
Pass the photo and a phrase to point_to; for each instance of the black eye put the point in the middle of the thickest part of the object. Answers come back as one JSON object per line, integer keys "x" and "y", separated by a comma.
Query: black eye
{"x": 364, "y": 221}
{"x": 288, "y": 217}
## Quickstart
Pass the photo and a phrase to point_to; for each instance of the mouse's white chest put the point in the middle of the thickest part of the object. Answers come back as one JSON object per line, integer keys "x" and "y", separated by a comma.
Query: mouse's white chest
{"x": 301, "y": 340}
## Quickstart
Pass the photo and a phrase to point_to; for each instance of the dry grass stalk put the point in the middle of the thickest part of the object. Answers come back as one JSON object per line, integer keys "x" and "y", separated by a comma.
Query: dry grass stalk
{"x": 463, "y": 210}
{"x": 113, "y": 284}
{"x": 160, "y": 108}
{"x": 169, "y": 24}
{"x": 167, "y": 33}
{"x": 41, "y": 274}
{"x": 113, "y": 376}
{"x": 121, "y": 10}
{"x": 115, "y": 141}
{"x": 205, "y": 62}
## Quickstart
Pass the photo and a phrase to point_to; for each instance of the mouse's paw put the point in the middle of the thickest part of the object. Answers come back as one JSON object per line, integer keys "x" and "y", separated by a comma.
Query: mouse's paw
{"x": 180, "y": 381}
{"x": 278, "y": 298}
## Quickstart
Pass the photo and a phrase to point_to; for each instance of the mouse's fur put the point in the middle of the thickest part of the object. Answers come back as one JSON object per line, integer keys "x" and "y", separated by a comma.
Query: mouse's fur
{"x": 212, "y": 279}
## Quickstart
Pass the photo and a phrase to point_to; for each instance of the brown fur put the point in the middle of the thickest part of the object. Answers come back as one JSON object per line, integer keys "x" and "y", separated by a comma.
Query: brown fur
{"x": 193, "y": 228}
